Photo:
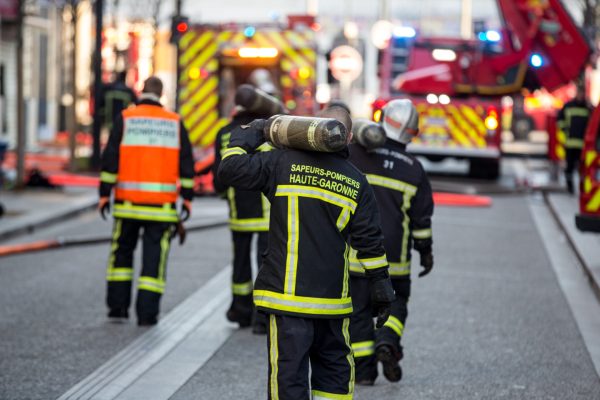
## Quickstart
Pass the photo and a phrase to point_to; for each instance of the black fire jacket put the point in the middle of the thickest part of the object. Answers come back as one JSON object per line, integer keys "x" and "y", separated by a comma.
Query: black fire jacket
{"x": 317, "y": 201}
{"x": 405, "y": 201}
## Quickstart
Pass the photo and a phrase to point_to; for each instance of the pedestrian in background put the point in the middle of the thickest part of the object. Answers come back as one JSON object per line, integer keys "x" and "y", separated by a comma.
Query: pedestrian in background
{"x": 405, "y": 201}
{"x": 303, "y": 284}
{"x": 147, "y": 155}
{"x": 572, "y": 120}
{"x": 116, "y": 97}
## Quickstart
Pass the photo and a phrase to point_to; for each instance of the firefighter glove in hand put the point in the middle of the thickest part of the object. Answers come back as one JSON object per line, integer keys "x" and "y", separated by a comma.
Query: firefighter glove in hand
{"x": 186, "y": 210}
{"x": 426, "y": 263}
{"x": 179, "y": 230}
{"x": 382, "y": 296}
{"x": 104, "y": 207}
{"x": 248, "y": 137}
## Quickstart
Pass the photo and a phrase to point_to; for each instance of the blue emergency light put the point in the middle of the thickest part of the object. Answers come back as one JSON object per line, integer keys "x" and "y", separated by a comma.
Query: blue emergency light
{"x": 489, "y": 36}
{"x": 249, "y": 31}
{"x": 536, "y": 60}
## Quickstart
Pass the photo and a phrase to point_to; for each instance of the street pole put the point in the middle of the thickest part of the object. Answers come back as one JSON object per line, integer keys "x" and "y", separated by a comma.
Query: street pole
{"x": 97, "y": 69}
{"x": 466, "y": 19}
{"x": 177, "y": 75}
{"x": 21, "y": 138}
{"x": 72, "y": 112}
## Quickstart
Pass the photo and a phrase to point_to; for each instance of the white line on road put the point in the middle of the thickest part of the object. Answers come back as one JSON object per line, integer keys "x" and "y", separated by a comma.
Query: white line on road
{"x": 572, "y": 281}
{"x": 194, "y": 317}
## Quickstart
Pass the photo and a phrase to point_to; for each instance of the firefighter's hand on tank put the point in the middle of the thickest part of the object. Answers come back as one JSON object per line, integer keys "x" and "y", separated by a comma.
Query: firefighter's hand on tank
{"x": 104, "y": 206}
{"x": 426, "y": 263}
{"x": 186, "y": 210}
{"x": 382, "y": 296}
{"x": 248, "y": 137}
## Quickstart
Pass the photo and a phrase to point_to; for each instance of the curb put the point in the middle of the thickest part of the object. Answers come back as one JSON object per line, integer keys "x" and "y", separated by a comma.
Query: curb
{"x": 586, "y": 268}
{"x": 31, "y": 226}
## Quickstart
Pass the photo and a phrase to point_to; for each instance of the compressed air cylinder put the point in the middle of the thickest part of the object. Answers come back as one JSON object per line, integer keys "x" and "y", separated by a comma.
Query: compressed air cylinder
{"x": 257, "y": 101}
{"x": 306, "y": 133}
{"x": 368, "y": 134}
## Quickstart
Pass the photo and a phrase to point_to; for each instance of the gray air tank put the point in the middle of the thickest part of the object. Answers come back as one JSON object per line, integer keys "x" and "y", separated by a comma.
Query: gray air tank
{"x": 368, "y": 134}
{"x": 256, "y": 101}
{"x": 306, "y": 133}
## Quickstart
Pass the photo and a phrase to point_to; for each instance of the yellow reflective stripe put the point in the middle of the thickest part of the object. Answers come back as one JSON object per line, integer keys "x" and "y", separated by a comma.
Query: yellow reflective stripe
{"x": 394, "y": 324}
{"x": 590, "y": 156}
{"x": 421, "y": 233}
{"x": 151, "y": 284}
{"x": 266, "y": 146}
{"x": 574, "y": 143}
{"x": 165, "y": 244}
{"x": 319, "y": 395}
{"x": 393, "y": 184}
{"x": 123, "y": 274}
{"x": 399, "y": 268}
{"x": 293, "y": 231}
{"x": 148, "y": 186}
{"x": 302, "y": 304}
{"x": 571, "y": 112}
{"x": 273, "y": 357}
{"x": 266, "y": 207}
{"x": 345, "y": 286}
{"x": 373, "y": 263}
{"x": 107, "y": 177}
{"x": 343, "y": 219}
{"x": 587, "y": 185}
{"x": 232, "y": 207}
{"x": 242, "y": 289}
{"x": 406, "y": 199}
{"x": 128, "y": 210}
{"x": 186, "y": 183}
{"x": 232, "y": 152}
{"x": 349, "y": 357}
{"x": 114, "y": 245}
{"x": 249, "y": 224}
{"x": 594, "y": 204}
{"x": 363, "y": 349}
{"x": 316, "y": 193}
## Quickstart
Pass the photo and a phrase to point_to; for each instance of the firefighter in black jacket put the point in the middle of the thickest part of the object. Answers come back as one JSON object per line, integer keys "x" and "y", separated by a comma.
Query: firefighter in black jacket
{"x": 248, "y": 214}
{"x": 317, "y": 201}
{"x": 405, "y": 201}
{"x": 572, "y": 121}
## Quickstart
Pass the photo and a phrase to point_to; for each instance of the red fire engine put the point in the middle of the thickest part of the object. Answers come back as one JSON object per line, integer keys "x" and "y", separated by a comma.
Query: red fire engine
{"x": 457, "y": 84}
{"x": 589, "y": 171}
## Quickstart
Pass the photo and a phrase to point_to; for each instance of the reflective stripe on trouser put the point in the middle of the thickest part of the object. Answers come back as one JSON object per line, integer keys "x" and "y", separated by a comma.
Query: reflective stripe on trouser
{"x": 241, "y": 282}
{"x": 293, "y": 342}
{"x": 156, "y": 244}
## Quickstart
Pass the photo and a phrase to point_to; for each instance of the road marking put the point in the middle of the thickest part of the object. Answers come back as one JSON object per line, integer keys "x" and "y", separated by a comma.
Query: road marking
{"x": 193, "y": 318}
{"x": 573, "y": 282}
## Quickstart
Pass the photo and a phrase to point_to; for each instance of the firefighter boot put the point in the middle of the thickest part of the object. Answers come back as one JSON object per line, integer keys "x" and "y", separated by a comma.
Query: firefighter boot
{"x": 240, "y": 310}
{"x": 390, "y": 360}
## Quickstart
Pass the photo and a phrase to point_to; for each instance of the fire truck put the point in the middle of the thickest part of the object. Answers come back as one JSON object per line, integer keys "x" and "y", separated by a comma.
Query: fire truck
{"x": 214, "y": 59}
{"x": 457, "y": 84}
{"x": 588, "y": 218}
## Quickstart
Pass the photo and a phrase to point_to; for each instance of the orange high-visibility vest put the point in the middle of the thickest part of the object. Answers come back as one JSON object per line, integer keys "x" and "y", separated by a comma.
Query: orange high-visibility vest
{"x": 148, "y": 156}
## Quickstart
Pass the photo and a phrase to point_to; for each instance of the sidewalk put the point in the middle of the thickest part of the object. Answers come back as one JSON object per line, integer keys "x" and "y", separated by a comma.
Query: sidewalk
{"x": 30, "y": 209}
{"x": 587, "y": 245}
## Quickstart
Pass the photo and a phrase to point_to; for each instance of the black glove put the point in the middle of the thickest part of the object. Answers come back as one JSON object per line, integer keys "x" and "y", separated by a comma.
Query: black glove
{"x": 248, "y": 137}
{"x": 104, "y": 207}
{"x": 382, "y": 296}
{"x": 426, "y": 263}
{"x": 179, "y": 230}
{"x": 185, "y": 213}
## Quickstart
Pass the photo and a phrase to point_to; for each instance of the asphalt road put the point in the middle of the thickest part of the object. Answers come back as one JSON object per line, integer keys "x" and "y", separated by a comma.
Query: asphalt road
{"x": 490, "y": 322}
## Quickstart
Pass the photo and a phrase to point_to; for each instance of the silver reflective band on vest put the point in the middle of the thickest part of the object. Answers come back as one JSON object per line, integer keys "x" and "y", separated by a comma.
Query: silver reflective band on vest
{"x": 148, "y": 187}
{"x": 300, "y": 304}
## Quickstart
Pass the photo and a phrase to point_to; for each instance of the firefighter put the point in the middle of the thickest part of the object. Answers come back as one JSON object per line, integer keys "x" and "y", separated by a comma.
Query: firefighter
{"x": 116, "y": 97}
{"x": 572, "y": 120}
{"x": 248, "y": 215}
{"x": 148, "y": 152}
{"x": 405, "y": 201}
{"x": 317, "y": 201}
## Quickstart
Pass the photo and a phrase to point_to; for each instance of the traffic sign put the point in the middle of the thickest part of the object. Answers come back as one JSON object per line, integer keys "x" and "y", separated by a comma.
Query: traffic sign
{"x": 345, "y": 63}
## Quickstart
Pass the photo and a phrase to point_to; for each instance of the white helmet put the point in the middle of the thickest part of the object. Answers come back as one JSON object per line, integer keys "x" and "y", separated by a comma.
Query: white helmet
{"x": 400, "y": 120}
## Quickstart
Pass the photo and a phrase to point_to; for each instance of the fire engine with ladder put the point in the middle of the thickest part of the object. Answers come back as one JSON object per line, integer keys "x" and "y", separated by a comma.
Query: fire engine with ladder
{"x": 457, "y": 84}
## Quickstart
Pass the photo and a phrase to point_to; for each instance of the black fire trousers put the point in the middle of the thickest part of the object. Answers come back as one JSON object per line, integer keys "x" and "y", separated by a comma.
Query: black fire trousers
{"x": 572, "y": 156}
{"x": 156, "y": 241}
{"x": 364, "y": 337}
{"x": 242, "y": 283}
{"x": 296, "y": 342}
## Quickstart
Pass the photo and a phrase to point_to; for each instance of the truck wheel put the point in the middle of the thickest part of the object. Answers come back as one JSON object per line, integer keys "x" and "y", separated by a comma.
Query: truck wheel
{"x": 484, "y": 169}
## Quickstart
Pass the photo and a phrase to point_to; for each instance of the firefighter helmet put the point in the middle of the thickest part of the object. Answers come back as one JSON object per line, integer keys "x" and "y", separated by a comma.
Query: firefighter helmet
{"x": 400, "y": 120}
